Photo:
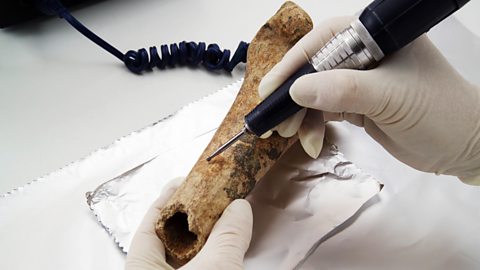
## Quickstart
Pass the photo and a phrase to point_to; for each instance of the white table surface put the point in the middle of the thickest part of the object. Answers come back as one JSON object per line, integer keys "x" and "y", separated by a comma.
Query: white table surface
{"x": 62, "y": 97}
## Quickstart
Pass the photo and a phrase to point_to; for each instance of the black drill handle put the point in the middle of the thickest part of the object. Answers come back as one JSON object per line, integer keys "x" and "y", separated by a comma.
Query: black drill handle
{"x": 277, "y": 107}
{"x": 395, "y": 23}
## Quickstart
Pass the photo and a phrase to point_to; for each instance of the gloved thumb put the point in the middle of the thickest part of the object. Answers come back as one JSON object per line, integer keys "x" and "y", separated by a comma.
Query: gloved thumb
{"x": 229, "y": 239}
{"x": 342, "y": 90}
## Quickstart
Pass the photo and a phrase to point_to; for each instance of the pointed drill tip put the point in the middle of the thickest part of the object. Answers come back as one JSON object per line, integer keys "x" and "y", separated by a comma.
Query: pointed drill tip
{"x": 227, "y": 144}
{"x": 216, "y": 153}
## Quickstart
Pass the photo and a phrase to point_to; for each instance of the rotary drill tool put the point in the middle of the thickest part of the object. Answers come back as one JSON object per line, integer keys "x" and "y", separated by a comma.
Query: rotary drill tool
{"x": 383, "y": 27}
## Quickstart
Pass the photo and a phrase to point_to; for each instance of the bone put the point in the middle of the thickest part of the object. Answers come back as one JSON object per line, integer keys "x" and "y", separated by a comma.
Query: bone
{"x": 187, "y": 219}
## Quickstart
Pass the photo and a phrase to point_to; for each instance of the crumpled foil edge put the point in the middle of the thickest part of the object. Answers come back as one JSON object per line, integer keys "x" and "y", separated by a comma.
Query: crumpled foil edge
{"x": 93, "y": 194}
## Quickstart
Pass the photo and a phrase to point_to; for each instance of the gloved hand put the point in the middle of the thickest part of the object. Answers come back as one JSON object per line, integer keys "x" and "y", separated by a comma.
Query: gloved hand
{"x": 224, "y": 249}
{"x": 414, "y": 104}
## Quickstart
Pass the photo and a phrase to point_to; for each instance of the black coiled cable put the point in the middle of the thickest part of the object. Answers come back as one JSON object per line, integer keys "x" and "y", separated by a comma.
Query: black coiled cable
{"x": 184, "y": 53}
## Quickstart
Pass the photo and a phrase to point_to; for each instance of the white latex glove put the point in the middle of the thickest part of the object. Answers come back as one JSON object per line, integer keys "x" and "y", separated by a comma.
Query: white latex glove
{"x": 414, "y": 104}
{"x": 224, "y": 249}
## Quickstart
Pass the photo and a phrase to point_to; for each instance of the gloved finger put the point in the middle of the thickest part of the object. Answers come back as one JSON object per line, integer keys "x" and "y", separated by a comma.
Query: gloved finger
{"x": 289, "y": 127}
{"x": 342, "y": 90}
{"x": 389, "y": 143}
{"x": 229, "y": 240}
{"x": 146, "y": 251}
{"x": 353, "y": 118}
{"x": 311, "y": 133}
{"x": 300, "y": 53}
{"x": 333, "y": 116}
{"x": 232, "y": 233}
{"x": 266, "y": 134}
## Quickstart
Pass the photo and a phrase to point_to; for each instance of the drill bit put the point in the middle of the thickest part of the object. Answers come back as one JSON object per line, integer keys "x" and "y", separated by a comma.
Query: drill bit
{"x": 227, "y": 144}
